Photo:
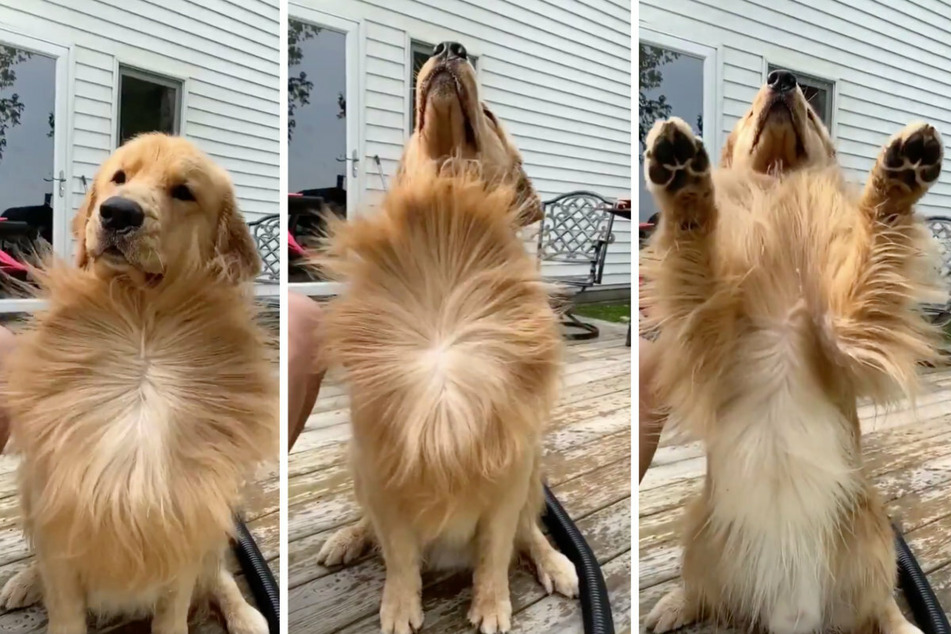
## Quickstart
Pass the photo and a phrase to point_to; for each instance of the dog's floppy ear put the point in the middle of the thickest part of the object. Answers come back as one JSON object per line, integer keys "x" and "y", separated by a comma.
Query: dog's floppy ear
{"x": 79, "y": 225}
{"x": 726, "y": 156}
{"x": 531, "y": 205}
{"x": 234, "y": 245}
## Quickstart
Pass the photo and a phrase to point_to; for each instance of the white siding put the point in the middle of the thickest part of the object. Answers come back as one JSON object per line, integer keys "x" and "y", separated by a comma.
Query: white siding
{"x": 556, "y": 72}
{"x": 888, "y": 59}
{"x": 227, "y": 51}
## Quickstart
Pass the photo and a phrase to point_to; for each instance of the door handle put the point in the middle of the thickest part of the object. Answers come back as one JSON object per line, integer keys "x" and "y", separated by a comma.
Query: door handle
{"x": 62, "y": 182}
{"x": 353, "y": 160}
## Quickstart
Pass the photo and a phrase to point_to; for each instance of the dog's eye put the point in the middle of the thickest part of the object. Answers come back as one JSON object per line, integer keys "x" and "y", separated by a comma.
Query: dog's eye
{"x": 119, "y": 177}
{"x": 181, "y": 192}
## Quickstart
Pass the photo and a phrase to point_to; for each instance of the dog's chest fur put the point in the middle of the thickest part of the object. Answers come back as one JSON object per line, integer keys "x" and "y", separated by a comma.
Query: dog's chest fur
{"x": 783, "y": 473}
{"x": 139, "y": 415}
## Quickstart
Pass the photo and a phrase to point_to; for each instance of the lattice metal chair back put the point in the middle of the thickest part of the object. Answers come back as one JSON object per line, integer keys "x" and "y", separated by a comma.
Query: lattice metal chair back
{"x": 941, "y": 231}
{"x": 576, "y": 229}
{"x": 267, "y": 236}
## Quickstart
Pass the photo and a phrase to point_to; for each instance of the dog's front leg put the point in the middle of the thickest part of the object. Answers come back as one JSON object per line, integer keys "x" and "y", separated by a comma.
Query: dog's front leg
{"x": 240, "y": 616}
{"x": 870, "y": 317}
{"x": 677, "y": 171}
{"x": 401, "y": 611}
{"x": 64, "y": 597}
{"x": 491, "y": 608}
{"x": 171, "y": 613}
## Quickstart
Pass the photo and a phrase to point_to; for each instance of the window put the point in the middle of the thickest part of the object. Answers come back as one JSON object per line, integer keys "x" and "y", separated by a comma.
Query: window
{"x": 147, "y": 103}
{"x": 672, "y": 84}
{"x": 419, "y": 53}
{"x": 818, "y": 93}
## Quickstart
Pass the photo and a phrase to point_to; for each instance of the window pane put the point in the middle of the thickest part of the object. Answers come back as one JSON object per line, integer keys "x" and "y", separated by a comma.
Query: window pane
{"x": 146, "y": 106}
{"x": 817, "y": 93}
{"x": 27, "y": 104}
{"x": 670, "y": 85}
{"x": 317, "y": 134}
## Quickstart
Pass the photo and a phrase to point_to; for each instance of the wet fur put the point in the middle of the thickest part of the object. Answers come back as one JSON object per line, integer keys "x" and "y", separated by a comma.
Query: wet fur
{"x": 781, "y": 298}
{"x": 141, "y": 406}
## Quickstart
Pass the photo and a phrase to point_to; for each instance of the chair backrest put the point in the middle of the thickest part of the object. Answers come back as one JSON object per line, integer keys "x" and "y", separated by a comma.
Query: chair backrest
{"x": 576, "y": 229}
{"x": 267, "y": 236}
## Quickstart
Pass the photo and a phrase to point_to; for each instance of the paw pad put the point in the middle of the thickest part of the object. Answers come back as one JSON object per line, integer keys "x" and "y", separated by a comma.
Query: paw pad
{"x": 675, "y": 157}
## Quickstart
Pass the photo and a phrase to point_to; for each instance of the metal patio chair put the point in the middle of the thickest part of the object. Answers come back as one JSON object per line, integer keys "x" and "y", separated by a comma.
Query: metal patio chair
{"x": 576, "y": 230}
{"x": 940, "y": 227}
{"x": 266, "y": 232}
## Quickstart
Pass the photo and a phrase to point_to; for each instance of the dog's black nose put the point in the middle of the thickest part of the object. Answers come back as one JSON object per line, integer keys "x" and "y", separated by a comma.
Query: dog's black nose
{"x": 121, "y": 214}
{"x": 450, "y": 50}
{"x": 782, "y": 81}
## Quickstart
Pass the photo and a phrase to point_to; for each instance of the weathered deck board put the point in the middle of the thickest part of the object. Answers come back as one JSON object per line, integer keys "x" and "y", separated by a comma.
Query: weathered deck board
{"x": 588, "y": 465}
{"x": 907, "y": 453}
{"x": 261, "y": 512}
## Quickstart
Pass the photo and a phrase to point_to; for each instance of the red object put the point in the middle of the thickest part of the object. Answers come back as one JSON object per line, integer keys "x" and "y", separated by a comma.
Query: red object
{"x": 292, "y": 244}
{"x": 7, "y": 263}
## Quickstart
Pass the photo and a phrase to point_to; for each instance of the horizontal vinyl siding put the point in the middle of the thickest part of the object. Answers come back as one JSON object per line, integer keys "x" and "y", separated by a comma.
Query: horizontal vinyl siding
{"x": 226, "y": 51}
{"x": 556, "y": 72}
{"x": 889, "y": 61}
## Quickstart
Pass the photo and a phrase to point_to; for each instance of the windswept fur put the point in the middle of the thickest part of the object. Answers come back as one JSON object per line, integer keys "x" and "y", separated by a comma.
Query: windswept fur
{"x": 142, "y": 399}
{"x": 781, "y": 296}
{"x": 452, "y": 356}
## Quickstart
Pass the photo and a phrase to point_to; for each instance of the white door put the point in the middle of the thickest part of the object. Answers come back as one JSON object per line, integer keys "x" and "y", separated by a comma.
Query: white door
{"x": 34, "y": 178}
{"x": 678, "y": 79}
{"x": 324, "y": 161}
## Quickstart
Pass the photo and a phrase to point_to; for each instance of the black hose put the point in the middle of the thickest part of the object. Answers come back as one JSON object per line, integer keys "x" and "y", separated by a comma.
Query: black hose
{"x": 595, "y": 607}
{"x": 258, "y": 574}
{"x": 921, "y": 598}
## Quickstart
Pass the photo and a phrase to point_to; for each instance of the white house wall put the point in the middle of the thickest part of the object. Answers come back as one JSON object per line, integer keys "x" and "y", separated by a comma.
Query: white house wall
{"x": 227, "y": 51}
{"x": 556, "y": 72}
{"x": 889, "y": 61}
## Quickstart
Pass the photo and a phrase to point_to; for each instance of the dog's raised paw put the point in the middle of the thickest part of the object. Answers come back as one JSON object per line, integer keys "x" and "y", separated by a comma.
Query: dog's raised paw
{"x": 912, "y": 158}
{"x": 492, "y": 615}
{"x": 344, "y": 546}
{"x": 675, "y": 158}
{"x": 21, "y": 590}
{"x": 670, "y": 613}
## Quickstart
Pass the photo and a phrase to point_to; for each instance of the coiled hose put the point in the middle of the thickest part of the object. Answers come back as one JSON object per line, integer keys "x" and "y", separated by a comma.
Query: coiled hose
{"x": 258, "y": 574}
{"x": 914, "y": 584}
{"x": 595, "y": 608}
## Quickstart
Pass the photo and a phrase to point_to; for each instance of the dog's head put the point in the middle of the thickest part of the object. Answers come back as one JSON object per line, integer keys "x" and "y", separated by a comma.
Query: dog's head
{"x": 780, "y": 131}
{"x": 159, "y": 200}
{"x": 452, "y": 122}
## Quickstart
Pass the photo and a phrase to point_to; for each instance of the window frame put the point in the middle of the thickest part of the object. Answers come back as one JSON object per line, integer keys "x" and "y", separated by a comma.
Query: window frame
{"x": 167, "y": 81}
{"x": 813, "y": 80}
{"x": 417, "y": 45}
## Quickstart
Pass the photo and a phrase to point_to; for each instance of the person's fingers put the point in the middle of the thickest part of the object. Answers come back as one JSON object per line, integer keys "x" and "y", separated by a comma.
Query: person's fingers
{"x": 303, "y": 378}
{"x": 7, "y": 341}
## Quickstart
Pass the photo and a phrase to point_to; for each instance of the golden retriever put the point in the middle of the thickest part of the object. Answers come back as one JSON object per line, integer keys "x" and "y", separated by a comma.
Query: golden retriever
{"x": 782, "y": 296}
{"x": 452, "y": 356}
{"x": 452, "y": 122}
{"x": 143, "y": 398}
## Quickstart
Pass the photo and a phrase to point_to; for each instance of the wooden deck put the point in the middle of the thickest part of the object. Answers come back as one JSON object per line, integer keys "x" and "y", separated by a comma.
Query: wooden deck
{"x": 260, "y": 513}
{"x": 588, "y": 460}
{"x": 907, "y": 454}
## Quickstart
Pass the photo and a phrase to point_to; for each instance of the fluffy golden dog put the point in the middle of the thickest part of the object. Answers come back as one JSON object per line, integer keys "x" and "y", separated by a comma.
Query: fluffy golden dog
{"x": 451, "y": 121}
{"x": 143, "y": 398}
{"x": 452, "y": 355}
{"x": 783, "y": 295}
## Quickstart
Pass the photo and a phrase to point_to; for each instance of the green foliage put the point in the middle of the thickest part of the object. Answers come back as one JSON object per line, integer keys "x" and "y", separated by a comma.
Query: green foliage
{"x": 650, "y": 58}
{"x": 11, "y": 108}
{"x": 298, "y": 86}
